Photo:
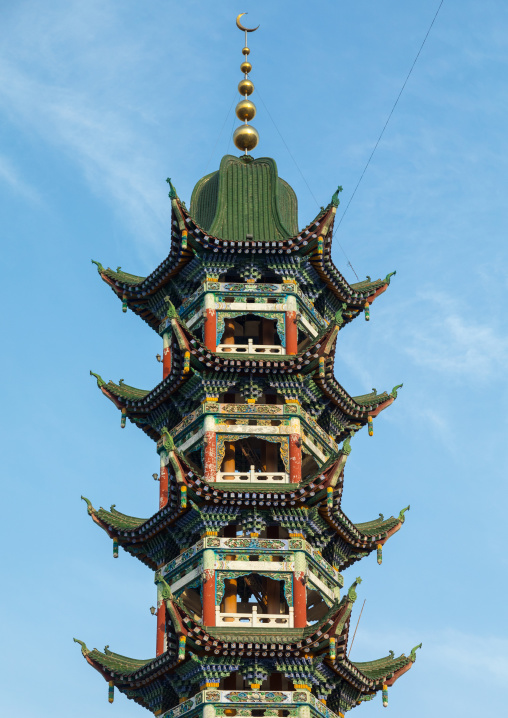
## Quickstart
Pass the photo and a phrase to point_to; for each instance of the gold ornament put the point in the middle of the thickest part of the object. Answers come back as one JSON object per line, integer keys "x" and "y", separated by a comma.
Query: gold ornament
{"x": 245, "y": 87}
{"x": 245, "y": 110}
{"x": 245, "y": 138}
{"x": 242, "y": 27}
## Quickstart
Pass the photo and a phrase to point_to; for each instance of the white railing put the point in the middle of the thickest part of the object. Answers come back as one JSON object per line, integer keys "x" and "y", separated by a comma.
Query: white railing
{"x": 250, "y": 348}
{"x": 253, "y": 477}
{"x": 273, "y": 620}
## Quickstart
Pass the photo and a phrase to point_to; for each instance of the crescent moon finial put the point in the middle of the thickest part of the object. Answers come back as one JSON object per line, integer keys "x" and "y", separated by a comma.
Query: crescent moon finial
{"x": 241, "y": 27}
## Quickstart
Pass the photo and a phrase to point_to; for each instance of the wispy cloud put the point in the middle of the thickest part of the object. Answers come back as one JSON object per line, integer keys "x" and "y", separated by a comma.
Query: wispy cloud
{"x": 92, "y": 123}
{"x": 10, "y": 176}
{"x": 107, "y": 150}
{"x": 471, "y": 656}
{"x": 440, "y": 426}
{"x": 452, "y": 343}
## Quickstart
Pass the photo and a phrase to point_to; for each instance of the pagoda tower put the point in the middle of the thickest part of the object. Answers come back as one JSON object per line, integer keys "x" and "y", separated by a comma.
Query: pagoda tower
{"x": 249, "y": 543}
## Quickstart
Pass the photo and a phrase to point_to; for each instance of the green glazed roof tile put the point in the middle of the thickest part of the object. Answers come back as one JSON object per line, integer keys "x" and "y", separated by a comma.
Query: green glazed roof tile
{"x": 123, "y": 277}
{"x": 125, "y": 391}
{"x": 378, "y": 669}
{"x": 245, "y": 196}
{"x": 368, "y": 284}
{"x": 378, "y": 526}
{"x": 372, "y": 398}
{"x": 119, "y": 521}
{"x": 117, "y": 663}
{"x": 113, "y": 661}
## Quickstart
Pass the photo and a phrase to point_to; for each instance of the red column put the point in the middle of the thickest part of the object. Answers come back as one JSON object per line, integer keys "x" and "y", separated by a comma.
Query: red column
{"x": 291, "y": 333}
{"x": 166, "y": 354}
{"x": 300, "y": 601}
{"x": 161, "y": 627}
{"x": 295, "y": 458}
{"x": 209, "y": 601}
{"x": 210, "y": 329}
{"x": 208, "y": 587}
{"x": 210, "y": 451}
{"x": 163, "y": 487}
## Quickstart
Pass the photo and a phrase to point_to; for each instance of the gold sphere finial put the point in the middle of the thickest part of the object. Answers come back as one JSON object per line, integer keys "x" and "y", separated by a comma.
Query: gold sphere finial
{"x": 245, "y": 110}
{"x": 245, "y": 137}
{"x": 245, "y": 87}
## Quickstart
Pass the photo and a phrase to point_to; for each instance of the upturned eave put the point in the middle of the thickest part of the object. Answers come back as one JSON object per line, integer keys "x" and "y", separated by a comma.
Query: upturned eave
{"x": 188, "y": 239}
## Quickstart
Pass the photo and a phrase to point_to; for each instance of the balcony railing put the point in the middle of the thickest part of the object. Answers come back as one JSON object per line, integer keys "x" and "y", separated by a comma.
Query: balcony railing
{"x": 250, "y": 348}
{"x": 271, "y": 620}
{"x": 312, "y": 433}
{"x": 253, "y": 477}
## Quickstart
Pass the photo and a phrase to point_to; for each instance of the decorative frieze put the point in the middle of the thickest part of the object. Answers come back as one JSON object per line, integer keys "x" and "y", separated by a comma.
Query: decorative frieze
{"x": 222, "y": 700}
{"x": 232, "y": 555}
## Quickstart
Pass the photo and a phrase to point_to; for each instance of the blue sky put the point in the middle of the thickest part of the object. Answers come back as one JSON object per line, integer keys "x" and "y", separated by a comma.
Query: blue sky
{"x": 99, "y": 103}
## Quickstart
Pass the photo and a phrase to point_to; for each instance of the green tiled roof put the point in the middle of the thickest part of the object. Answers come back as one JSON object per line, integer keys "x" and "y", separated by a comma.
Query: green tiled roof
{"x": 113, "y": 661}
{"x": 367, "y": 284}
{"x": 245, "y": 196}
{"x": 378, "y": 526}
{"x": 114, "y": 518}
{"x": 119, "y": 521}
{"x": 123, "y": 277}
{"x": 372, "y": 398}
{"x": 118, "y": 275}
{"x": 382, "y": 667}
{"x": 124, "y": 391}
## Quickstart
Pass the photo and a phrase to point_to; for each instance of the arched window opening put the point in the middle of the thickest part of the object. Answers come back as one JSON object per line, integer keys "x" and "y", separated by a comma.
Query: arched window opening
{"x": 250, "y": 334}
{"x": 254, "y": 600}
{"x": 253, "y": 460}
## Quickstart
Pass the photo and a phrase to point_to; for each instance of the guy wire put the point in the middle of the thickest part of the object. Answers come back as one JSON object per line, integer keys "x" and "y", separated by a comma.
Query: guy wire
{"x": 285, "y": 145}
{"x": 354, "y": 634}
{"x": 300, "y": 171}
{"x": 389, "y": 116}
